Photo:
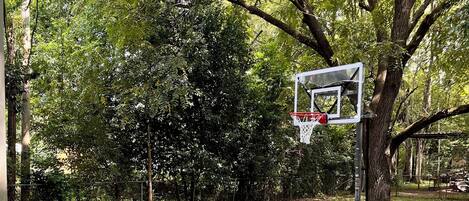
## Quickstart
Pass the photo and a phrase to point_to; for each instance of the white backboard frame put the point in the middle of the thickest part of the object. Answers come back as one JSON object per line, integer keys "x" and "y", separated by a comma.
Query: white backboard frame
{"x": 333, "y": 118}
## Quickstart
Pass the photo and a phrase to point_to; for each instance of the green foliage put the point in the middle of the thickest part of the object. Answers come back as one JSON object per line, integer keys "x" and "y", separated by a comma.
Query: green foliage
{"x": 215, "y": 98}
{"x": 49, "y": 186}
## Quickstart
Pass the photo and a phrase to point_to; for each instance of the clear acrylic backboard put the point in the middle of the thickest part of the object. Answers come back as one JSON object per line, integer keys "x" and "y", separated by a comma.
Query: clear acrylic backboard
{"x": 336, "y": 91}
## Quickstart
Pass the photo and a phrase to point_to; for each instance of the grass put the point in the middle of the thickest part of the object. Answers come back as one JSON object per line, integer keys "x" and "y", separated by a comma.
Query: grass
{"x": 425, "y": 184}
{"x": 435, "y": 196}
{"x": 412, "y": 192}
{"x": 408, "y": 192}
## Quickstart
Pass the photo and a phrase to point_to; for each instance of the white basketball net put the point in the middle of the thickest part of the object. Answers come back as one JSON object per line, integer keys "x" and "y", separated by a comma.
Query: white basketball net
{"x": 307, "y": 124}
{"x": 306, "y": 131}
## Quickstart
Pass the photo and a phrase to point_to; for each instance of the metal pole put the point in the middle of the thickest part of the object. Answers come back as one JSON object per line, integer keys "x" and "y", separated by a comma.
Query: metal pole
{"x": 295, "y": 106}
{"x": 141, "y": 191}
{"x": 367, "y": 162}
{"x": 3, "y": 140}
{"x": 357, "y": 164}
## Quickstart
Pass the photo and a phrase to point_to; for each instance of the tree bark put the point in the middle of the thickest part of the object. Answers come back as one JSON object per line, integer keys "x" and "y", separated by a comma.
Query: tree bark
{"x": 26, "y": 111}
{"x": 11, "y": 93}
{"x": 418, "y": 14}
{"x": 11, "y": 149}
{"x": 419, "y": 149}
{"x": 389, "y": 79}
{"x": 3, "y": 139}
{"x": 382, "y": 104}
{"x": 379, "y": 156}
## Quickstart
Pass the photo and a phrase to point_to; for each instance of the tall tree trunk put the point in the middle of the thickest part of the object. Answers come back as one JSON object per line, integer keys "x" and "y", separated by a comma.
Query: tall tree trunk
{"x": 427, "y": 94}
{"x": 408, "y": 160}
{"x": 11, "y": 93}
{"x": 419, "y": 148}
{"x": 11, "y": 148}
{"x": 12, "y": 159}
{"x": 3, "y": 139}
{"x": 378, "y": 171}
{"x": 26, "y": 112}
{"x": 149, "y": 164}
{"x": 379, "y": 154}
{"x": 382, "y": 104}
{"x": 25, "y": 142}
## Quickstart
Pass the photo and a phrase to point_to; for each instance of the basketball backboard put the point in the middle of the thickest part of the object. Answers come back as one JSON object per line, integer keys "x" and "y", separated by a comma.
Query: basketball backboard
{"x": 336, "y": 91}
{"x": 330, "y": 96}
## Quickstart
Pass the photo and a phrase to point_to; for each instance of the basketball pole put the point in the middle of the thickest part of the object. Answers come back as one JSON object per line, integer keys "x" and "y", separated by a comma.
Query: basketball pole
{"x": 357, "y": 160}
{"x": 3, "y": 141}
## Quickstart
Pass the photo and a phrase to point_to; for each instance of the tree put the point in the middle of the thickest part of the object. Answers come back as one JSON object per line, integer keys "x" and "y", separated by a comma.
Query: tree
{"x": 107, "y": 84}
{"x": 3, "y": 135}
{"x": 12, "y": 84}
{"x": 83, "y": 126}
{"x": 25, "y": 108}
{"x": 403, "y": 28}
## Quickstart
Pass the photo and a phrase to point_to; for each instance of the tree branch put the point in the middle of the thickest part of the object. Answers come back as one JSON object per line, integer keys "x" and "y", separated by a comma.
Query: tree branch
{"x": 317, "y": 46}
{"x": 425, "y": 26}
{"x": 416, "y": 17}
{"x": 424, "y": 122}
{"x": 297, "y": 5}
{"x": 365, "y": 6}
{"x": 368, "y": 7}
{"x": 398, "y": 111}
{"x": 316, "y": 29}
{"x": 255, "y": 38}
{"x": 33, "y": 33}
{"x": 441, "y": 135}
{"x": 279, "y": 24}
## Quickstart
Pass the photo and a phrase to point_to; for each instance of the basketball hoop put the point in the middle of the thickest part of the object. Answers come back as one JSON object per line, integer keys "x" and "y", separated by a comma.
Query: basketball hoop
{"x": 307, "y": 121}
{"x": 331, "y": 96}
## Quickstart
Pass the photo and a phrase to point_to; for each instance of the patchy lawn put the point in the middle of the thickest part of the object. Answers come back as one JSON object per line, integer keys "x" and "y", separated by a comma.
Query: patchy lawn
{"x": 411, "y": 192}
{"x": 425, "y": 195}
{"x": 407, "y": 192}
